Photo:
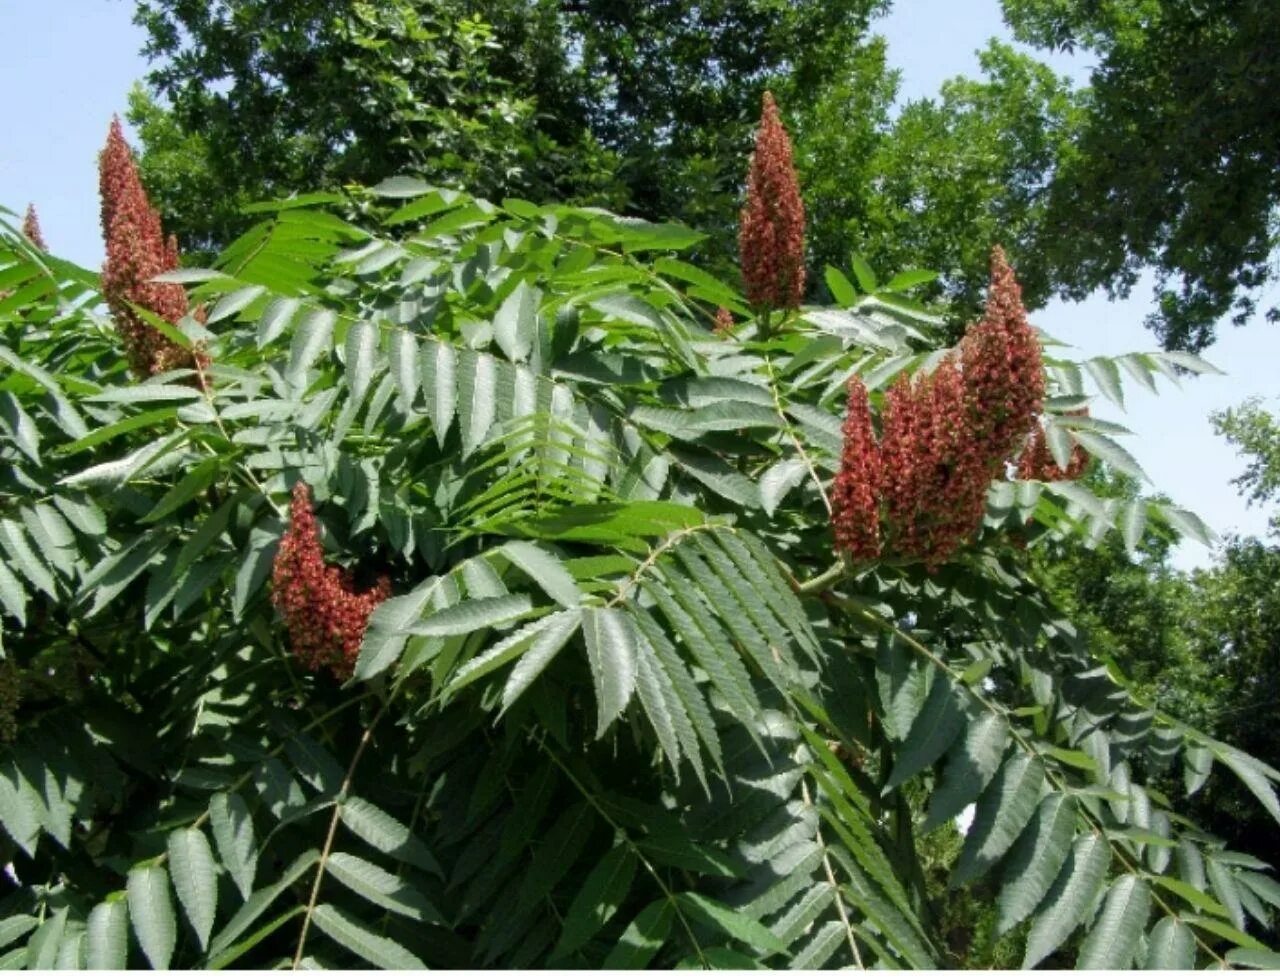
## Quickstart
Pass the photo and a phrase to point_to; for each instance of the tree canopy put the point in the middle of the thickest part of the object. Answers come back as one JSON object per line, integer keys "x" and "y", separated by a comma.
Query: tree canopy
{"x": 647, "y": 107}
{"x": 1174, "y": 165}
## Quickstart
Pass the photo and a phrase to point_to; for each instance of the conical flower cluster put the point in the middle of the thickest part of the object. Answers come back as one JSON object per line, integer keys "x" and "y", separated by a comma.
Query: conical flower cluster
{"x": 1037, "y": 462}
{"x": 855, "y": 500}
{"x": 944, "y": 437}
{"x": 771, "y": 232}
{"x": 723, "y": 324}
{"x": 325, "y": 615}
{"x": 137, "y": 252}
{"x": 31, "y": 228}
{"x": 1004, "y": 374}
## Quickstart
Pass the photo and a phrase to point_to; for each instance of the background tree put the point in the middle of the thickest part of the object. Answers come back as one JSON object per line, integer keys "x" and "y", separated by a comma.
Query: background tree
{"x": 1175, "y": 164}
{"x": 951, "y": 176}
{"x": 1255, "y": 432}
{"x": 649, "y": 107}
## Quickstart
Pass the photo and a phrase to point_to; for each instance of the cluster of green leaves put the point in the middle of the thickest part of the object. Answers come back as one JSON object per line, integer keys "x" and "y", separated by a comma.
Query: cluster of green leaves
{"x": 623, "y": 709}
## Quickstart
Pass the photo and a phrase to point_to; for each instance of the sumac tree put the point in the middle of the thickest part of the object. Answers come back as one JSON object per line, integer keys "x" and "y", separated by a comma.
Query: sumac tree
{"x": 624, "y": 703}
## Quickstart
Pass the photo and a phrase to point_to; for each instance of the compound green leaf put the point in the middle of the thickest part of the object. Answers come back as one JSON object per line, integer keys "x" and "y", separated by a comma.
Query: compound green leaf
{"x": 1003, "y": 810}
{"x": 1036, "y": 859}
{"x": 107, "y": 936}
{"x": 733, "y": 923}
{"x": 381, "y": 887}
{"x": 969, "y": 768}
{"x": 360, "y": 348}
{"x": 1171, "y": 946}
{"x": 1070, "y": 899}
{"x": 642, "y": 939}
{"x": 779, "y": 480}
{"x": 355, "y": 936}
{"x": 546, "y": 570}
{"x": 386, "y": 834}
{"x": 557, "y": 631}
{"x": 599, "y": 899}
{"x": 233, "y": 833}
{"x": 313, "y": 336}
{"x": 472, "y": 615}
{"x": 935, "y": 729}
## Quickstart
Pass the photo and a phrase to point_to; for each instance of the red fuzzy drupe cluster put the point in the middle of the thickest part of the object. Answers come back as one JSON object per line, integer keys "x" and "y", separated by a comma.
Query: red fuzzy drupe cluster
{"x": 771, "y": 233}
{"x": 855, "y": 496}
{"x": 723, "y": 324}
{"x": 137, "y": 252}
{"x": 944, "y": 437}
{"x": 325, "y": 615}
{"x": 1037, "y": 462}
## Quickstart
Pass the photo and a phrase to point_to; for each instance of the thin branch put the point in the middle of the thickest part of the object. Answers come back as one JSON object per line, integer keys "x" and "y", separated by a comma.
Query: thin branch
{"x": 831, "y": 880}
{"x": 651, "y": 559}
{"x": 793, "y": 436}
{"x": 333, "y": 830}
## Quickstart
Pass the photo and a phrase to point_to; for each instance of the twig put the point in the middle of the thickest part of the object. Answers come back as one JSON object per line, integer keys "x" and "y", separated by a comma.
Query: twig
{"x": 831, "y": 880}
{"x": 333, "y": 829}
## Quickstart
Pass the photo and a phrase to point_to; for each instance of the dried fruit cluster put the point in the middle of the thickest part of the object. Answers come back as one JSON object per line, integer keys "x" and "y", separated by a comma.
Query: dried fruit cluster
{"x": 855, "y": 496}
{"x": 325, "y": 615}
{"x": 723, "y": 324}
{"x": 137, "y": 252}
{"x": 920, "y": 490}
{"x": 31, "y": 228}
{"x": 1037, "y": 462}
{"x": 771, "y": 232}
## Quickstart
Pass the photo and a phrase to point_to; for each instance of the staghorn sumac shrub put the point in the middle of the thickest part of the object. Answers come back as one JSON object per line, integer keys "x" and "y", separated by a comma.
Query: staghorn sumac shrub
{"x": 637, "y": 689}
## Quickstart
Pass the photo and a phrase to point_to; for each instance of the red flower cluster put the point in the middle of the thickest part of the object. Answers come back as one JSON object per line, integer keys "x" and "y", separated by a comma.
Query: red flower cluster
{"x": 1004, "y": 374}
{"x": 723, "y": 323}
{"x": 945, "y": 436}
{"x": 771, "y": 234}
{"x": 136, "y": 253}
{"x": 855, "y": 503}
{"x": 325, "y": 615}
{"x": 31, "y": 228}
{"x": 1037, "y": 463}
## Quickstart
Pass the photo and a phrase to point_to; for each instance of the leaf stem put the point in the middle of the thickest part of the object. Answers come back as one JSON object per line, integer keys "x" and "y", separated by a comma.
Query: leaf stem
{"x": 365, "y": 738}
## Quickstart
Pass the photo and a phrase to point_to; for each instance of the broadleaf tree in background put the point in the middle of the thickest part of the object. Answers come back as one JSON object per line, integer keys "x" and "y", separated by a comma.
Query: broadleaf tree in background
{"x": 1162, "y": 162}
{"x": 621, "y": 696}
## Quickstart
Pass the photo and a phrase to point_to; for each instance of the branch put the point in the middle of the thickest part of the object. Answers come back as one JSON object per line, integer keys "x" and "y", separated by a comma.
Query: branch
{"x": 333, "y": 829}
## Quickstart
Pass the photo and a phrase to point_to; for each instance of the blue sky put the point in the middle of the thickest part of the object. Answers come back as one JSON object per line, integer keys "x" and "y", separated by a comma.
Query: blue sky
{"x": 69, "y": 64}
